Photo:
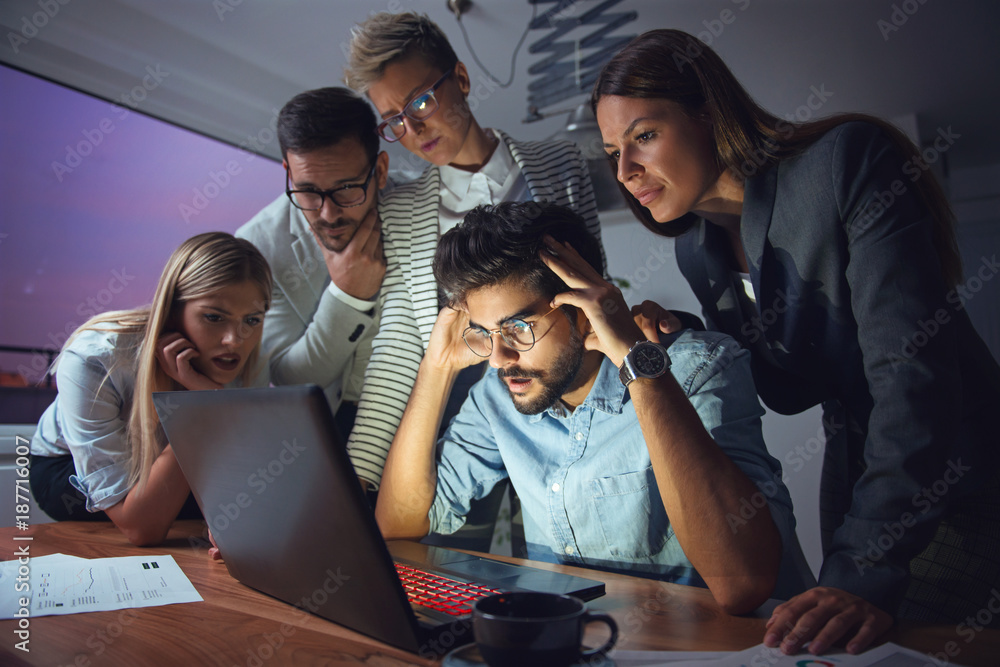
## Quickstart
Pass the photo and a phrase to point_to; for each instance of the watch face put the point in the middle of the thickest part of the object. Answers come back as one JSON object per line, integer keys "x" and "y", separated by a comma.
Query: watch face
{"x": 648, "y": 360}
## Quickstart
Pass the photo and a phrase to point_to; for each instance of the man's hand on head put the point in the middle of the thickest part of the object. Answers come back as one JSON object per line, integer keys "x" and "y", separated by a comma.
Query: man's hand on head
{"x": 614, "y": 328}
{"x": 447, "y": 349}
{"x": 359, "y": 268}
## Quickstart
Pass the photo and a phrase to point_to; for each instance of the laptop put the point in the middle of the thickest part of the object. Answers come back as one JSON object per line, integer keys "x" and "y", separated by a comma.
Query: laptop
{"x": 273, "y": 479}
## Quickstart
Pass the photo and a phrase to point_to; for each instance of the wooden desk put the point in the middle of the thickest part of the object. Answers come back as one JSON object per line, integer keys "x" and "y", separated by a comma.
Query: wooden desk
{"x": 236, "y": 625}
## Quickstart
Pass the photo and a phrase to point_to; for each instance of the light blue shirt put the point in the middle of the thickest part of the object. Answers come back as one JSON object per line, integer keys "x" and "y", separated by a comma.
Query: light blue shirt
{"x": 585, "y": 480}
{"x": 88, "y": 419}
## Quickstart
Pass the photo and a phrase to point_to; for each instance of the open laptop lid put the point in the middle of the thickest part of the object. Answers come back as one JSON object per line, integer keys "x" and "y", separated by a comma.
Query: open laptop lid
{"x": 277, "y": 488}
{"x": 280, "y": 495}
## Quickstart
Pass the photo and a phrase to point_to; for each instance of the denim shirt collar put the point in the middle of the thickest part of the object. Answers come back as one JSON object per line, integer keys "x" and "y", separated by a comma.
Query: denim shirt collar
{"x": 607, "y": 395}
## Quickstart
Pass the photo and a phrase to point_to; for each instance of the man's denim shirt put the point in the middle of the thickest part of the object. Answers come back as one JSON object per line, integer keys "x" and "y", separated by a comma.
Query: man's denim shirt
{"x": 585, "y": 481}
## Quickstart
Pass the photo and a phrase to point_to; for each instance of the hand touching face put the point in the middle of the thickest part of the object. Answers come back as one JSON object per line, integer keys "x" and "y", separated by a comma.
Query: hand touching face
{"x": 216, "y": 335}
{"x": 350, "y": 237}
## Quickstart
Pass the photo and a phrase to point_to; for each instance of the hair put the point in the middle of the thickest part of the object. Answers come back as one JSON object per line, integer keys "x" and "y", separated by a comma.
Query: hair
{"x": 201, "y": 266}
{"x": 326, "y": 116}
{"x": 499, "y": 244}
{"x": 385, "y": 38}
{"x": 676, "y": 66}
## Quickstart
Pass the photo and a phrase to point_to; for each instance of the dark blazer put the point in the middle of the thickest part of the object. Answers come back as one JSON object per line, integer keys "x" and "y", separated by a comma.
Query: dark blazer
{"x": 852, "y": 312}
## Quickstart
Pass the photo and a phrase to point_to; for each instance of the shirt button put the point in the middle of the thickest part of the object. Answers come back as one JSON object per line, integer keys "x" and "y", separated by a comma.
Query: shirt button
{"x": 569, "y": 551}
{"x": 555, "y": 487}
{"x": 579, "y": 436}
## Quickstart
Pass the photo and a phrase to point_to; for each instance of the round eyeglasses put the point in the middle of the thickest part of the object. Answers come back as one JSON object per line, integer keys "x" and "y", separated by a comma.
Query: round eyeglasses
{"x": 517, "y": 334}
{"x": 346, "y": 196}
{"x": 420, "y": 107}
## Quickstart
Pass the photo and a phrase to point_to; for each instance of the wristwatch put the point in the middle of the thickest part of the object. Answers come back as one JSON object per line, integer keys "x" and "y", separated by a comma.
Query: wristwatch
{"x": 645, "y": 359}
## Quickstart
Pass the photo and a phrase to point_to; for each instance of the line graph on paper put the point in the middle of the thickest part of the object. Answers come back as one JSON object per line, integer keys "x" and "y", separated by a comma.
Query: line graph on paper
{"x": 67, "y": 585}
{"x": 68, "y": 588}
{"x": 81, "y": 588}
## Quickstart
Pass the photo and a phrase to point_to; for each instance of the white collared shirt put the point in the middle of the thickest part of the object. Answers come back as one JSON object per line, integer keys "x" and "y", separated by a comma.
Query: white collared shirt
{"x": 499, "y": 180}
{"x": 744, "y": 279}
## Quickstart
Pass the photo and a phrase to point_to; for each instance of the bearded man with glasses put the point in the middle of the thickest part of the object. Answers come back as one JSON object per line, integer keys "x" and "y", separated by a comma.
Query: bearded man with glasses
{"x": 628, "y": 454}
{"x": 406, "y": 66}
{"x": 323, "y": 241}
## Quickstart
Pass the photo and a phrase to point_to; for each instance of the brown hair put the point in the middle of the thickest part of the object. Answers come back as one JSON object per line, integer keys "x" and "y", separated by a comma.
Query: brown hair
{"x": 676, "y": 66}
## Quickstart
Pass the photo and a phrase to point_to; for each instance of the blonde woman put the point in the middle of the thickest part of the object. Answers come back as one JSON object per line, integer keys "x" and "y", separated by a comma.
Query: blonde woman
{"x": 99, "y": 452}
{"x": 406, "y": 66}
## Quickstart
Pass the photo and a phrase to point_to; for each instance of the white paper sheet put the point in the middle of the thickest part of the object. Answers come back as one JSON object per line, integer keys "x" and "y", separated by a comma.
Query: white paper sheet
{"x": 886, "y": 655}
{"x": 60, "y": 584}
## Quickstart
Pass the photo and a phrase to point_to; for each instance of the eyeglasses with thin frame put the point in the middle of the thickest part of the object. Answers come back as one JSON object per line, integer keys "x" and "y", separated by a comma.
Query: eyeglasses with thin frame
{"x": 517, "y": 334}
{"x": 420, "y": 107}
{"x": 346, "y": 196}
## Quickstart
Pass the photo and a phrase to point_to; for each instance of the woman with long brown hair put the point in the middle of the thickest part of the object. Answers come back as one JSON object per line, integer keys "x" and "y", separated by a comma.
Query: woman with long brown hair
{"x": 828, "y": 250}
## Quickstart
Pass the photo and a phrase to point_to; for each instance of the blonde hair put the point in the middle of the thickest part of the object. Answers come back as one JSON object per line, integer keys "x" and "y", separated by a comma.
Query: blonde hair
{"x": 201, "y": 266}
{"x": 385, "y": 38}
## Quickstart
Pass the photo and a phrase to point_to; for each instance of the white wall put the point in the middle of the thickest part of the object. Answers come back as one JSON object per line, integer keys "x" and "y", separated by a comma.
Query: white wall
{"x": 648, "y": 263}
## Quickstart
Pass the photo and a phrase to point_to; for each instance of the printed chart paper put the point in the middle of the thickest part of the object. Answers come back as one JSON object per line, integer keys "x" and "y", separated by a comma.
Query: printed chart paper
{"x": 886, "y": 655}
{"x": 60, "y": 584}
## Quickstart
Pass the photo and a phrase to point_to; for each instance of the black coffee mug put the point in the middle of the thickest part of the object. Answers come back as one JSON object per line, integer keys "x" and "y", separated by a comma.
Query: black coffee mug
{"x": 529, "y": 629}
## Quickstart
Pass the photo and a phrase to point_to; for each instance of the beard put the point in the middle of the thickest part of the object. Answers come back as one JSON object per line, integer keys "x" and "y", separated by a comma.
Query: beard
{"x": 321, "y": 227}
{"x": 552, "y": 383}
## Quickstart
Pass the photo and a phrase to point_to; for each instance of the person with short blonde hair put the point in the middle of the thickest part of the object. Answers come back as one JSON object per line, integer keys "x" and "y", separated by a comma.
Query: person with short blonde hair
{"x": 385, "y": 38}
{"x": 405, "y": 65}
{"x": 99, "y": 451}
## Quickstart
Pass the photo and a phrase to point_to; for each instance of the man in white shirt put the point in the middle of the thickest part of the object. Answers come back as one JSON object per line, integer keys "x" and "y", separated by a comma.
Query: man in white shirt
{"x": 406, "y": 66}
{"x": 322, "y": 239}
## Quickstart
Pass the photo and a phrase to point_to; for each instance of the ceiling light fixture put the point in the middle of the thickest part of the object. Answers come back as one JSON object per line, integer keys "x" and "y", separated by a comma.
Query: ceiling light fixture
{"x": 570, "y": 71}
{"x": 581, "y": 128}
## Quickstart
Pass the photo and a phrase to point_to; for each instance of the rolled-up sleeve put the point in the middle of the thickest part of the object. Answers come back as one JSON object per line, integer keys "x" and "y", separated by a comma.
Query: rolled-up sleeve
{"x": 92, "y": 426}
{"x": 723, "y": 392}
{"x": 469, "y": 464}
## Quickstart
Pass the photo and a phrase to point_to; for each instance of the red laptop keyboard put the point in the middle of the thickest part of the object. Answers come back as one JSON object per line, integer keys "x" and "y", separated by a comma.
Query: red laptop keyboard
{"x": 447, "y": 595}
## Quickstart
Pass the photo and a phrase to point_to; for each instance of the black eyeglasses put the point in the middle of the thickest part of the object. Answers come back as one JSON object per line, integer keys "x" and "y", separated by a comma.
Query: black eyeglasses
{"x": 420, "y": 107}
{"x": 346, "y": 196}
{"x": 517, "y": 334}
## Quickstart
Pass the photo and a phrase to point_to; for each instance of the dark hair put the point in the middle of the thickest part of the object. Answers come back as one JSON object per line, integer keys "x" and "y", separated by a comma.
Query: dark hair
{"x": 497, "y": 244}
{"x": 676, "y": 66}
{"x": 323, "y": 117}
